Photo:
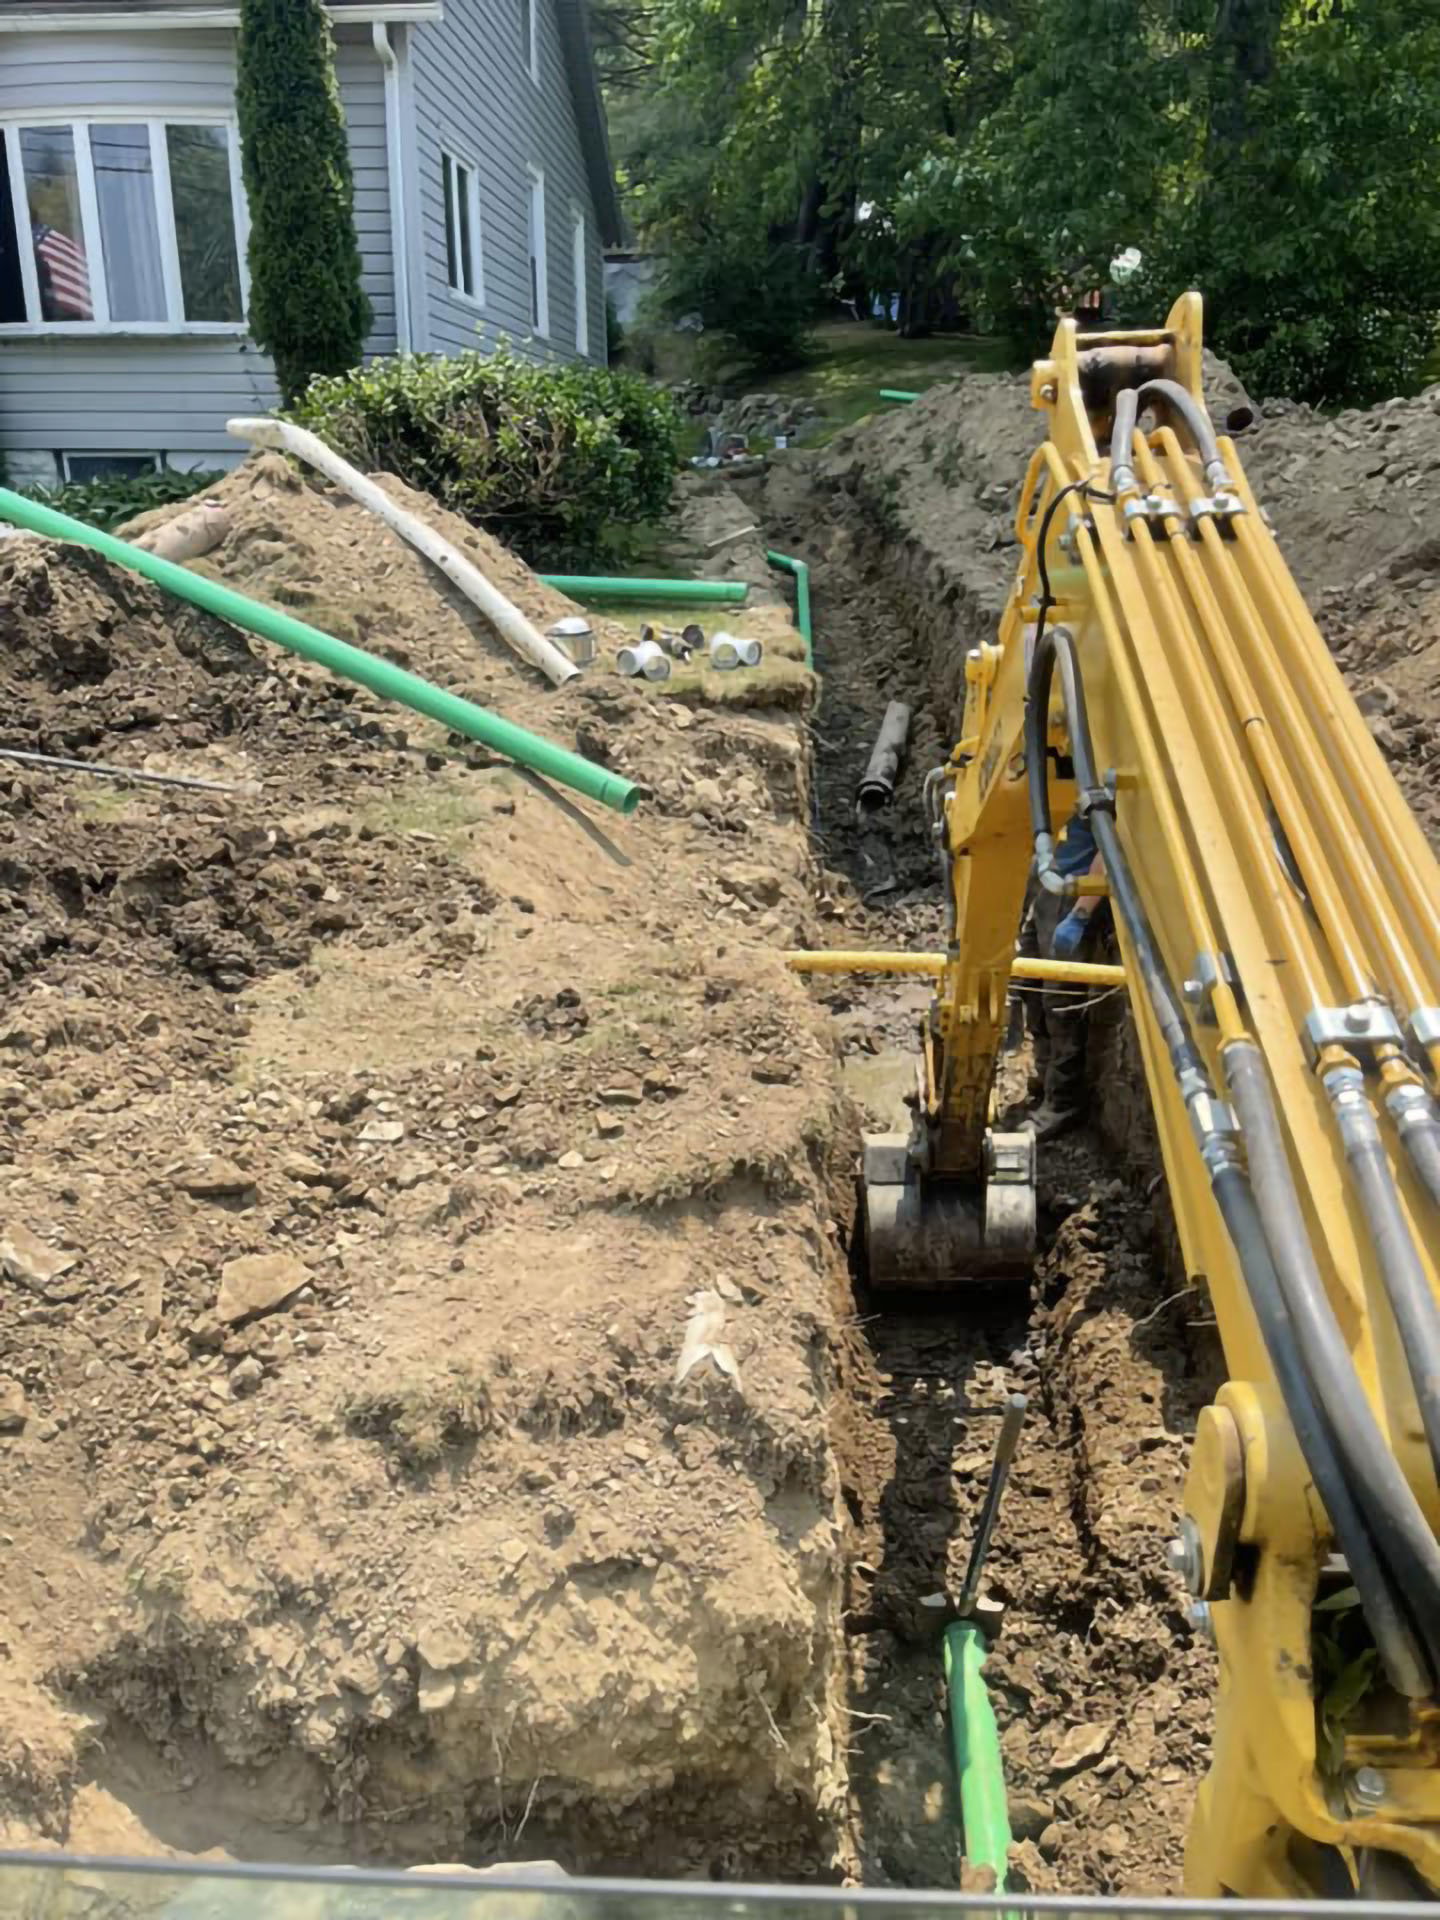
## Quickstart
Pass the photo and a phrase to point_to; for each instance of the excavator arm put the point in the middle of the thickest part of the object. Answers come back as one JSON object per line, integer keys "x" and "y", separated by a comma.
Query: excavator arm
{"x": 1278, "y": 915}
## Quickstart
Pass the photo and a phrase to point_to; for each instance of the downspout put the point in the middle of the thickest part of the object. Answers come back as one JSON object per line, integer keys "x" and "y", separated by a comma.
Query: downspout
{"x": 399, "y": 225}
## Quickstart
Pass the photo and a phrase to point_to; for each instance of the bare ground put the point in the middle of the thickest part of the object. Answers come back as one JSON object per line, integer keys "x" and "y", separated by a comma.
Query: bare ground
{"x": 420, "y": 1549}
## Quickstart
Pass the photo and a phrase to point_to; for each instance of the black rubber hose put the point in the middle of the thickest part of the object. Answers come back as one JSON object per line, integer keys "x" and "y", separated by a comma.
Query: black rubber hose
{"x": 1128, "y": 404}
{"x": 1404, "y": 1660}
{"x": 1400, "y": 1532}
{"x": 1423, "y": 1146}
{"x": 1054, "y": 646}
{"x": 1407, "y": 1286}
{"x": 1398, "y": 1526}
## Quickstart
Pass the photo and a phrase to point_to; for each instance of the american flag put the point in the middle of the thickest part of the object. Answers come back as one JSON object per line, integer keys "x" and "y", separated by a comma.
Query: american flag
{"x": 67, "y": 274}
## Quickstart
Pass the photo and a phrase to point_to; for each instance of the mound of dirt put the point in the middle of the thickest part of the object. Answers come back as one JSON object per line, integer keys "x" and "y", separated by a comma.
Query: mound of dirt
{"x": 415, "y": 1246}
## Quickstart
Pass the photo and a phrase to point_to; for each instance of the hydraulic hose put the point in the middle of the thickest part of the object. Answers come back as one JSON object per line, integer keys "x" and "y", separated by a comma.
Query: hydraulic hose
{"x": 1399, "y": 1528}
{"x": 1417, "y": 1120}
{"x": 1056, "y": 646}
{"x": 1410, "y": 1553}
{"x": 1128, "y": 403}
{"x": 1406, "y": 1285}
{"x": 1403, "y": 1658}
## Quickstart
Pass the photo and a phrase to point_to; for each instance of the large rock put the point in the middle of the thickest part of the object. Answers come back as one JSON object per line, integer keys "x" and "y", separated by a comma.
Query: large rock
{"x": 258, "y": 1283}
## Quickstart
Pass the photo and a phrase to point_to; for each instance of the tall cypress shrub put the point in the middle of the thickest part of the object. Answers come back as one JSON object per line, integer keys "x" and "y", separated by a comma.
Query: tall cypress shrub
{"x": 307, "y": 308}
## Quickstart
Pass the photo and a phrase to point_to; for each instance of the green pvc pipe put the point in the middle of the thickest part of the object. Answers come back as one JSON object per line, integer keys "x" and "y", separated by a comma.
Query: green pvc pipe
{"x": 898, "y": 393}
{"x": 599, "y": 586}
{"x": 977, "y": 1752}
{"x": 526, "y": 749}
{"x": 802, "y": 599}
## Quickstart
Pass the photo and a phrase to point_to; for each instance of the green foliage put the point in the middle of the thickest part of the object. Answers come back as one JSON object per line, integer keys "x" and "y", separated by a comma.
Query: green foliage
{"x": 759, "y": 298}
{"x": 987, "y": 164}
{"x": 307, "y": 308}
{"x": 110, "y": 502}
{"x": 1317, "y": 243}
{"x": 557, "y": 461}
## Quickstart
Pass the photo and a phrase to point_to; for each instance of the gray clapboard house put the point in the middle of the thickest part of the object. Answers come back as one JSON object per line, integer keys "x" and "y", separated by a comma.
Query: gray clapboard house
{"x": 483, "y": 199}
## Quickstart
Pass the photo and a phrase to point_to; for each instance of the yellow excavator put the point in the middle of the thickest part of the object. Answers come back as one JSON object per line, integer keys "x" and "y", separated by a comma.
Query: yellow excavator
{"x": 1278, "y": 915}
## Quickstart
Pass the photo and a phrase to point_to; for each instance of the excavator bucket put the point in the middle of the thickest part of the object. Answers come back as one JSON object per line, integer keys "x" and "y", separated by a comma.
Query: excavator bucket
{"x": 942, "y": 1233}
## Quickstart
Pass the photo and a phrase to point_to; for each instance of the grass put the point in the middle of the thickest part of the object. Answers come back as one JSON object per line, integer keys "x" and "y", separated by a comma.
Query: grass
{"x": 849, "y": 362}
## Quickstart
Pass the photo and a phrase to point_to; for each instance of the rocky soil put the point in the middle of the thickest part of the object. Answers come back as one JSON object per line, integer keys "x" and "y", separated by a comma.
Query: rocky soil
{"x": 438, "y": 1418}
{"x": 418, "y": 1248}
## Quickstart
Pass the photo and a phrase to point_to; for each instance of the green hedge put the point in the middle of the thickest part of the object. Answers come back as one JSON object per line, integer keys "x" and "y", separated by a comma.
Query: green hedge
{"x": 109, "y": 503}
{"x": 557, "y": 461}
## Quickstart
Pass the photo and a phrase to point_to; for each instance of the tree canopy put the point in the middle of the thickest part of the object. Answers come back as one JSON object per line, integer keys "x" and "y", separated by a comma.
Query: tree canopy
{"x": 987, "y": 161}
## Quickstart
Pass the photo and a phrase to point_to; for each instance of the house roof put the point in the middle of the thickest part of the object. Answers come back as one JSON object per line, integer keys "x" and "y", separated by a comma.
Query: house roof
{"x": 574, "y": 20}
{"x": 573, "y": 17}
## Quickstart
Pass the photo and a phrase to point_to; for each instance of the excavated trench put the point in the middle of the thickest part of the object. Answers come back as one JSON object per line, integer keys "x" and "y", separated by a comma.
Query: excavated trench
{"x": 1101, "y": 1693}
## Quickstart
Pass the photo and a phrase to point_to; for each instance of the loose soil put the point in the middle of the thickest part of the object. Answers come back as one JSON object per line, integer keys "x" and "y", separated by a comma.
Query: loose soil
{"x": 441, "y": 1421}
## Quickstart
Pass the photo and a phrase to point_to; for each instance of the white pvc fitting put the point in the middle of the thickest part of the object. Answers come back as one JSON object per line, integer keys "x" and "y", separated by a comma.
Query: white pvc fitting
{"x": 729, "y": 650}
{"x": 644, "y": 657}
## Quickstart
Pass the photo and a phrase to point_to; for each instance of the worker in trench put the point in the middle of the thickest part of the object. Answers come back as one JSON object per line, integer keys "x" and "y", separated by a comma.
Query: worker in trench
{"x": 1060, "y": 1018}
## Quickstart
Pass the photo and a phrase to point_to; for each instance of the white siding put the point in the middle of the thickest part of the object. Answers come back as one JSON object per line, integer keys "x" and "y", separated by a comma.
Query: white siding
{"x": 155, "y": 394}
{"x": 473, "y": 94}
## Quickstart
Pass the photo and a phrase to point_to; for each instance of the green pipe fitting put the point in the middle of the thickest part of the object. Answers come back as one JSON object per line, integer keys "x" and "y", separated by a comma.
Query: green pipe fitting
{"x": 526, "y": 749}
{"x": 898, "y": 393}
{"x": 976, "y": 1742}
{"x": 802, "y": 599}
{"x": 599, "y": 586}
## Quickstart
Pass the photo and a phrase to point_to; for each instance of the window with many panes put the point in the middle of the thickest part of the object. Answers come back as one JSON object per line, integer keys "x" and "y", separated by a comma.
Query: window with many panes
{"x": 464, "y": 268}
{"x": 125, "y": 223}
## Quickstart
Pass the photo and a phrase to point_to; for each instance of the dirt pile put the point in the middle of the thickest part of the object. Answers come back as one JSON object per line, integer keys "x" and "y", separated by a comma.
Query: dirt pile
{"x": 415, "y": 1227}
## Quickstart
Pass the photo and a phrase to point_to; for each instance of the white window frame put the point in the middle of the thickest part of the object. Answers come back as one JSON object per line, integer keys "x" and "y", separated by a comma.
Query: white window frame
{"x": 538, "y": 249}
{"x": 531, "y": 53}
{"x": 474, "y": 296}
{"x": 156, "y": 119}
{"x": 580, "y": 270}
{"x": 157, "y": 460}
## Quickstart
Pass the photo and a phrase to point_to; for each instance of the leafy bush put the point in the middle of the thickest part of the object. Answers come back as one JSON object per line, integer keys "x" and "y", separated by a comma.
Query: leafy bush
{"x": 110, "y": 502}
{"x": 307, "y": 307}
{"x": 555, "y": 460}
{"x": 760, "y": 299}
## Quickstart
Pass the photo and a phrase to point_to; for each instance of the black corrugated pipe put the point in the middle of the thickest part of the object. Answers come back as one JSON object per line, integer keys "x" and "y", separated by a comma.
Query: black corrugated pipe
{"x": 1392, "y": 1512}
{"x": 1407, "y": 1287}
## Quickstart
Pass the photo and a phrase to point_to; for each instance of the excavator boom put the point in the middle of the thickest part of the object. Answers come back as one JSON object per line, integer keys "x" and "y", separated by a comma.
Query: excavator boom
{"x": 1278, "y": 914}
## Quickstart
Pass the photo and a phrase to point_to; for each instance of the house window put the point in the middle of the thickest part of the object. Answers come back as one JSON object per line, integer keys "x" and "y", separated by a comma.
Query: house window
{"x": 539, "y": 276}
{"x": 79, "y": 468}
{"x": 582, "y": 281}
{"x": 530, "y": 37}
{"x": 127, "y": 224}
{"x": 464, "y": 268}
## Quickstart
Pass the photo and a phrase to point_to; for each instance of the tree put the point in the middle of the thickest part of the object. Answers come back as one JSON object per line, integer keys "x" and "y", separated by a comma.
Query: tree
{"x": 307, "y": 307}
{"x": 987, "y": 160}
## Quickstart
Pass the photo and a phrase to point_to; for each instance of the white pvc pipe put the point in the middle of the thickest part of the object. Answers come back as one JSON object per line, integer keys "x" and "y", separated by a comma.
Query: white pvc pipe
{"x": 508, "y": 621}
